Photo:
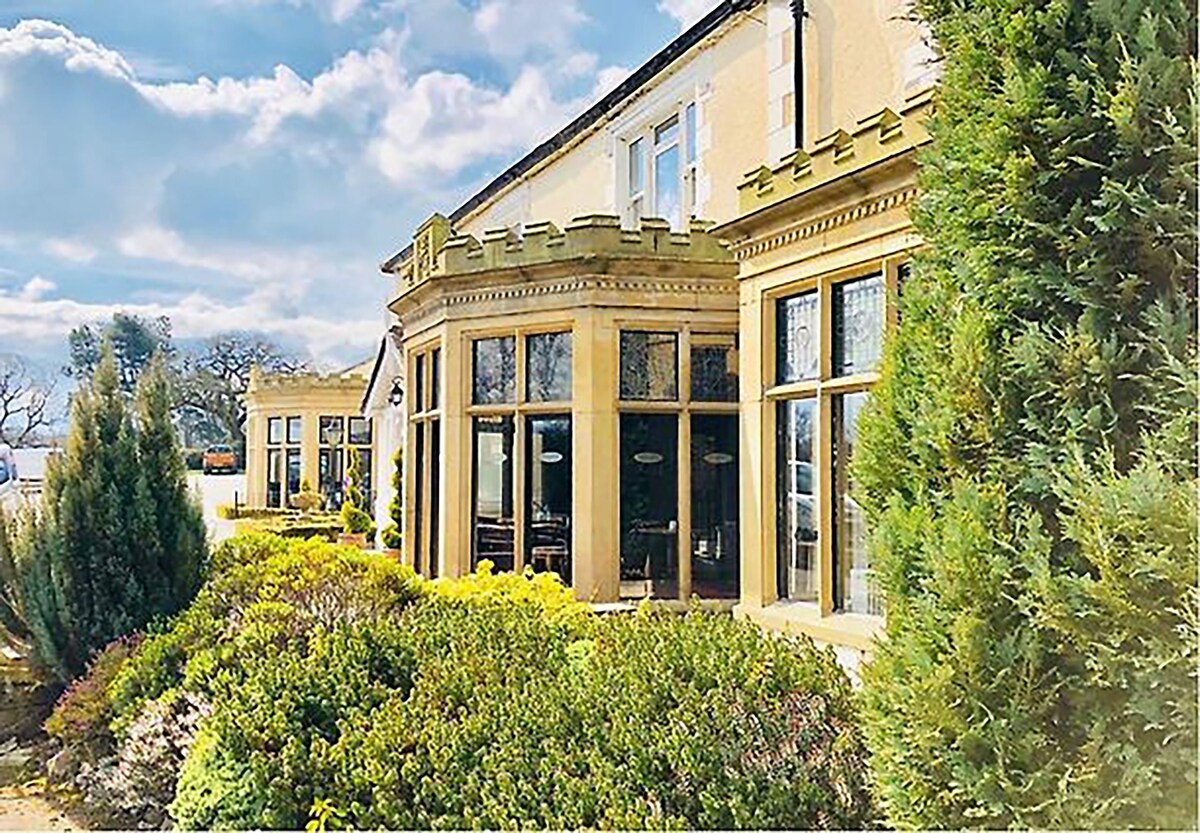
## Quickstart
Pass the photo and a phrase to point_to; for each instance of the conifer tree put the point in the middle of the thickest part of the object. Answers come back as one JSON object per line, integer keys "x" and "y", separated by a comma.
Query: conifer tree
{"x": 1028, "y": 460}
{"x": 355, "y": 517}
{"x": 117, "y": 541}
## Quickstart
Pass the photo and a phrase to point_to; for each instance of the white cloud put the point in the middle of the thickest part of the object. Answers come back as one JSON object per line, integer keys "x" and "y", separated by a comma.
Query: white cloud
{"x": 196, "y": 315}
{"x": 516, "y": 27}
{"x": 445, "y": 122}
{"x": 79, "y": 54}
{"x": 686, "y": 12}
{"x": 75, "y": 251}
{"x": 36, "y": 288}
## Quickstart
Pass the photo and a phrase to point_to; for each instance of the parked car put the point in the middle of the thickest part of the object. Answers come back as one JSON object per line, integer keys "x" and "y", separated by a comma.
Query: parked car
{"x": 219, "y": 458}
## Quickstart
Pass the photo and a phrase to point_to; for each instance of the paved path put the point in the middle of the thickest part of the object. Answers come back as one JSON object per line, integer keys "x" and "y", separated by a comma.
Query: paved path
{"x": 21, "y": 810}
{"x": 215, "y": 489}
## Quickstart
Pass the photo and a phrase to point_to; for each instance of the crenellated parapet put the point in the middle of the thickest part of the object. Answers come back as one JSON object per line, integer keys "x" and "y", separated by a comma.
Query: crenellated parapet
{"x": 879, "y": 137}
{"x": 591, "y": 236}
{"x": 266, "y": 383}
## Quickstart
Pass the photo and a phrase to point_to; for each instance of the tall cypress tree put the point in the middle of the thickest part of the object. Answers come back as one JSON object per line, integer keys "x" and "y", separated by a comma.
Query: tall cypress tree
{"x": 178, "y": 552}
{"x": 1028, "y": 460}
{"x": 117, "y": 541}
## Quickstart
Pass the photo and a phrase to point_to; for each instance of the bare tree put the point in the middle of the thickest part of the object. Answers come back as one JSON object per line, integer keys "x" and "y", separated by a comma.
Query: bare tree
{"x": 213, "y": 381}
{"x": 24, "y": 402}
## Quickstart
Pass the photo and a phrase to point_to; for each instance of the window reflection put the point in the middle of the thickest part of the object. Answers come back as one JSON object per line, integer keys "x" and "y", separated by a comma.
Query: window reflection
{"x": 714, "y": 368}
{"x": 548, "y": 367}
{"x": 649, "y": 506}
{"x": 493, "y": 484}
{"x": 857, "y": 591}
{"x": 857, "y": 325}
{"x": 798, "y": 341}
{"x": 548, "y": 495}
{"x": 798, "y": 551}
{"x": 649, "y": 366}
{"x": 715, "y": 506}
{"x": 494, "y": 371}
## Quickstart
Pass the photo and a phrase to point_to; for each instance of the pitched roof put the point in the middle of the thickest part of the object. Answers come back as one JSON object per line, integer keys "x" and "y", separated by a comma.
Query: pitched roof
{"x": 621, "y": 93}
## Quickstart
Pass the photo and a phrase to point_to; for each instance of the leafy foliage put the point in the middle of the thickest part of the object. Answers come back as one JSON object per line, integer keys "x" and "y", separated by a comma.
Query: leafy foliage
{"x": 81, "y": 716}
{"x": 1028, "y": 460}
{"x": 118, "y": 540}
{"x": 355, "y": 517}
{"x": 132, "y": 339}
{"x": 392, "y": 536}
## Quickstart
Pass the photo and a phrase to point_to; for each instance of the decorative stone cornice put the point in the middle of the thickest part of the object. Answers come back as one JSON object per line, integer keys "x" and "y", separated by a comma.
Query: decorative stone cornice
{"x": 759, "y": 245}
{"x": 878, "y": 137}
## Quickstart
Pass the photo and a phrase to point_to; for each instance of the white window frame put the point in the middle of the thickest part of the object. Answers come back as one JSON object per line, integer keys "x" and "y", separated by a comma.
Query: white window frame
{"x": 689, "y": 161}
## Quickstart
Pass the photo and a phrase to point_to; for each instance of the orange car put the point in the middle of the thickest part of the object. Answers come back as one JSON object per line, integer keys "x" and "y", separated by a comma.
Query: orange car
{"x": 219, "y": 458}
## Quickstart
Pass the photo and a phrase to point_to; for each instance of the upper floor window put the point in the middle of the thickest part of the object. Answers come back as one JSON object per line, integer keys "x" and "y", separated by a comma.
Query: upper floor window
{"x": 661, "y": 169}
{"x": 858, "y": 325}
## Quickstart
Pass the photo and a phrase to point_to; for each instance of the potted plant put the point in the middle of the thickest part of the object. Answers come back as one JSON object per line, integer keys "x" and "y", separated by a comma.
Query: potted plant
{"x": 306, "y": 500}
{"x": 357, "y": 526}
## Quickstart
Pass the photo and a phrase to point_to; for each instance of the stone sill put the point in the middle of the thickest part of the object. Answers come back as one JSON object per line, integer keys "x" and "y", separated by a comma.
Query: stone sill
{"x": 849, "y": 630}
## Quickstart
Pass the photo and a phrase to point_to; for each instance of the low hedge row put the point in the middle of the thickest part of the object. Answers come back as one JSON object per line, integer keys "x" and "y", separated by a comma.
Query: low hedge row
{"x": 334, "y": 685}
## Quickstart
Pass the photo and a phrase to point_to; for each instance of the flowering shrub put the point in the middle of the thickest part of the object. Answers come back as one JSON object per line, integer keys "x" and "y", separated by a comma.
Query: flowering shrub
{"x": 80, "y": 719}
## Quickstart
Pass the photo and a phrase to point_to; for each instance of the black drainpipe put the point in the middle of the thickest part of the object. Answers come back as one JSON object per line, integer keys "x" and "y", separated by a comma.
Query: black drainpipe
{"x": 798, "y": 15}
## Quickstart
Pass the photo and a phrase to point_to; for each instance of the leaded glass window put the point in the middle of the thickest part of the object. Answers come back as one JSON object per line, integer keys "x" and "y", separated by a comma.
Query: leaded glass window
{"x": 360, "y": 431}
{"x": 295, "y": 430}
{"x": 858, "y": 325}
{"x": 494, "y": 380}
{"x": 649, "y": 366}
{"x": 548, "y": 367}
{"x": 857, "y": 589}
{"x": 798, "y": 343}
{"x": 714, "y": 368}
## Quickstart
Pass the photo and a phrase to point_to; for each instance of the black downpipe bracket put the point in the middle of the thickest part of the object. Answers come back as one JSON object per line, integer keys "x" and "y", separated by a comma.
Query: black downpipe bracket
{"x": 798, "y": 15}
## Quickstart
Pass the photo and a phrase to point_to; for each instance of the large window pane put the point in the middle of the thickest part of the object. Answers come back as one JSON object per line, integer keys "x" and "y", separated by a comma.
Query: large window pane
{"x": 364, "y": 466}
{"x": 493, "y": 504}
{"x": 666, "y": 186}
{"x": 419, "y": 515}
{"x": 667, "y": 132}
{"x": 856, "y": 587}
{"x": 435, "y": 379}
{"x": 649, "y": 366}
{"x": 495, "y": 371}
{"x": 548, "y": 367}
{"x": 295, "y": 430}
{"x": 435, "y": 495}
{"x": 715, "y": 506}
{"x": 857, "y": 325}
{"x": 548, "y": 495}
{"x": 689, "y": 116}
{"x": 293, "y": 472}
{"x": 714, "y": 368}
{"x": 275, "y": 430}
{"x": 419, "y": 383}
{"x": 333, "y": 430}
{"x": 329, "y": 477}
{"x": 649, "y": 505}
{"x": 360, "y": 431}
{"x": 274, "y": 478}
{"x": 637, "y": 167}
{"x": 797, "y": 338}
{"x": 798, "y": 551}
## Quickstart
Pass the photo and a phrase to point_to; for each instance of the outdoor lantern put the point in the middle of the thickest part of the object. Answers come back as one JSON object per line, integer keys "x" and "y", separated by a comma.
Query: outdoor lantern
{"x": 396, "y": 395}
{"x": 333, "y": 434}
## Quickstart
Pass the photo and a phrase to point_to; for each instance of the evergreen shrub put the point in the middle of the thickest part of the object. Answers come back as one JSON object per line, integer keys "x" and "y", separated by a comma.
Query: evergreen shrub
{"x": 1028, "y": 459}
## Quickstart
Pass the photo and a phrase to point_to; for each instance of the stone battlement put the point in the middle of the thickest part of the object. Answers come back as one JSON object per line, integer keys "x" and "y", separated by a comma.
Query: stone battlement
{"x": 592, "y": 236}
{"x": 294, "y": 382}
{"x": 878, "y": 137}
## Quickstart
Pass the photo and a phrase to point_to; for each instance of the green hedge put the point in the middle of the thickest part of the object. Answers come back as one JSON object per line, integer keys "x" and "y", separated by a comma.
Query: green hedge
{"x": 344, "y": 687}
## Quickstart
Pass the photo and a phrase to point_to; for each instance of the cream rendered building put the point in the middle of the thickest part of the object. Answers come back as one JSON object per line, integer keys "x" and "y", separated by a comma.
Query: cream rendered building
{"x": 585, "y": 352}
{"x": 303, "y": 428}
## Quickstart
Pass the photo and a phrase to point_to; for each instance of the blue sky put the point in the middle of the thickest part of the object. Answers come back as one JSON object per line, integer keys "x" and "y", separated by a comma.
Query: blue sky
{"x": 246, "y": 164}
